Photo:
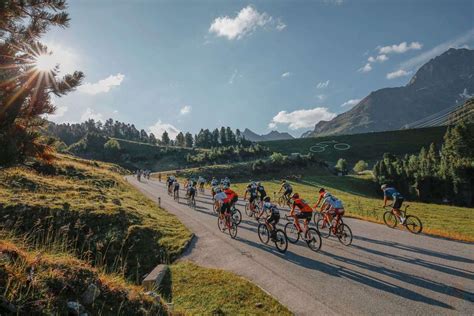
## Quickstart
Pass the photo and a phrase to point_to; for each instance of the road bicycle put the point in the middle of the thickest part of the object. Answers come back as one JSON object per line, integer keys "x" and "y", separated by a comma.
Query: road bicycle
{"x": 227, "y": 223}
{"x": 249, "y": 211}
{"x": 336, "y": 227}
{"x": 311, "y": 236}
{"x": 191, "y": 201}
{"x": 411, "y": 222}
{"x": 279, "y": 236}
{"x": 282, "y": 200}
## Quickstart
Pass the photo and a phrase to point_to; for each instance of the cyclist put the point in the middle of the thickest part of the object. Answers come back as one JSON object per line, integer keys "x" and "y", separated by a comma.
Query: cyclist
{"x": 252, "y": 191}
{"x": 273, "y": 218}
{"x": 261, "y": 192}
{"x": 305, "y": 211}
{"x": 322, "y": 191}
{"x": 231, "y": 198}
{"x": 287, "y": 189}
{"x": 397, "y": 200}
{"x": 201, "y": 182}
{"x": 333, "y": 207}
{"x": 191, "y": 190}
{"x": 176, "y": 187}
{"x": 226, "y": 182}
{"x": 169, "y": 182}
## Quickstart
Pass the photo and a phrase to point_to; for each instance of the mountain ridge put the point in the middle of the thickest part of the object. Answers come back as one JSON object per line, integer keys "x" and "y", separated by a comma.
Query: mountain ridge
{"x": 438, "y": 84}
{"x": 273, "y": 135}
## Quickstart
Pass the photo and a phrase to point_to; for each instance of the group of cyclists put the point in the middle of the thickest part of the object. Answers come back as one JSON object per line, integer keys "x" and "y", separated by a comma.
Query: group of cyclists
{"x": 262, "y": 206}
{"x": 145, "y": 173}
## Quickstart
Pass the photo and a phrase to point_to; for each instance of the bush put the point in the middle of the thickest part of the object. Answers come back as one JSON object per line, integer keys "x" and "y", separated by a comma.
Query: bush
{"x": 341, "y": 166}
{"x": 360, "y": 166}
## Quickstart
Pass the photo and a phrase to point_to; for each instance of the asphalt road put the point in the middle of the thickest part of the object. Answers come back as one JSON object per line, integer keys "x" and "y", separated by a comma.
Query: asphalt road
{"x": 384, "y": 271}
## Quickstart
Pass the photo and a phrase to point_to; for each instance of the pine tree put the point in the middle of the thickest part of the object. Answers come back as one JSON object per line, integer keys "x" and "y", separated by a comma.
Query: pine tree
{"x": 180, "y": 139}
{"x": 188, "y": 140}
{"x": 165, "y": 139}
{"x": 25, "y": 92}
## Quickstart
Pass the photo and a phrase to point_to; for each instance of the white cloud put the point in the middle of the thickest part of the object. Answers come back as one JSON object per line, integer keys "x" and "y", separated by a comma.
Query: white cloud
{"x": 185, "y": 110}
{"x": 379, "y": 58}
{"x": 159, "y": 128}
{"x": 102, "y": 86}
{"x": 91, "y": 114}
{"x": 246, "y": 21}
{"x": 321, "y": 97}
{"x": 58, "y": 114}
{"x": 366, "y": 68}
{"x": 286, "y": 74}
{"x": 322, "y": 84}
{"x": 458, "y": 42}
{"x": 335, "y": 2}
{"x": 401, "y": 48}
{"x": 301, "y": 118}
{"x": 280, "y": 25}
{"x": 398, "y": 73}
{"x": 350, "y": 102}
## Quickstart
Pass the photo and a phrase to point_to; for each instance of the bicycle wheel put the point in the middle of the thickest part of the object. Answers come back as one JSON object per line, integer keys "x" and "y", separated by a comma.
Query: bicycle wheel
{"x": 313, "y": 239}
{"x": 263, "y": 233}
{"x": 344, "y": 234}
{"x": 236, "y": 216}
{"x": 233, "y": 230}
{"x": 390, "y": 219}
{"x": 413, "y": 224}
{"x": 281, "y": 242}
{"x": 316, "y": 217}
{"x": 281, "y": 201}
{"x": 292, "y": 233}
{"x": 221, "y": 224}
{"x": 323, "y": 228}
{"x": 247, "y": 210}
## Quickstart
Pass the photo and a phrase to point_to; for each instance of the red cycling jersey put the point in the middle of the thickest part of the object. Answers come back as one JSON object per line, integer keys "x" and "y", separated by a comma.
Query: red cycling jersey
{"x": 302, "y": 205}
{"x": 231, "y": 196}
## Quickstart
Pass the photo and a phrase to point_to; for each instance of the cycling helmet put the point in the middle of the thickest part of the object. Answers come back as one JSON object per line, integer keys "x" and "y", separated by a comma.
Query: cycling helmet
{"x": 383, "y": 187}
{"x": 266, "y": 199}
{"x": 322, "y": 190}
{"x": 295, "y": 196}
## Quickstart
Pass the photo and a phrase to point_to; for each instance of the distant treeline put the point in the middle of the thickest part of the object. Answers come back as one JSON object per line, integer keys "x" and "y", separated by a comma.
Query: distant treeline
{"x": 227, "y": 154}
{"x": 73, "y": 133}
{"x": 435, "y": 175}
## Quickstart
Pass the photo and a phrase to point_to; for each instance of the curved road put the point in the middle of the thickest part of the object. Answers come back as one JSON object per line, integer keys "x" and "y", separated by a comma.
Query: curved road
{"x": 384, "y": 271}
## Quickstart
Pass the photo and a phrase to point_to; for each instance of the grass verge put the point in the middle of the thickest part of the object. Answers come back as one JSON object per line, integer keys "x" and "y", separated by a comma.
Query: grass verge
{"x": 196, "y": 290}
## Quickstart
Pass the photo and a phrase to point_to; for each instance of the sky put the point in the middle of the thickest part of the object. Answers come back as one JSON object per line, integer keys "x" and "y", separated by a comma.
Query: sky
{"x": 265, "y": 65}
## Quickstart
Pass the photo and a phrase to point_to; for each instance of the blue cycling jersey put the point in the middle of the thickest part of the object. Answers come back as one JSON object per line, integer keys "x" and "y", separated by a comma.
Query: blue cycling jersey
{"x": 391, "y": 192}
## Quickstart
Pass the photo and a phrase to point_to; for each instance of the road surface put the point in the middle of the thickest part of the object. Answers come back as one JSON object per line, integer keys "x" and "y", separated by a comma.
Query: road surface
{"x": 384, "y": 271}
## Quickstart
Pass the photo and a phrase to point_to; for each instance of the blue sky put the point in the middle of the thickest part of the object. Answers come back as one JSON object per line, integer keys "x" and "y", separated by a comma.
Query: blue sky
{"x": 285, "y": 65}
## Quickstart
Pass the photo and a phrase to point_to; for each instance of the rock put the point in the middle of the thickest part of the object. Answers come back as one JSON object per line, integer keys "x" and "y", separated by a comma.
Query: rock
{"x": 259, "y": 305}
{"x": 154, "y": 278}
{"x": 75, "y": 308}
{"x": 154, "y": 295}
{"x": 90, "y": 294}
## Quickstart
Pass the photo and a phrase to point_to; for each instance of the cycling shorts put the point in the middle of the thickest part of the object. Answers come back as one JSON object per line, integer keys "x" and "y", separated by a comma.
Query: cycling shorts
{"x": 288, "y": 191}
{"x": 252, "y": 198}
{"x": 274, "y": 219}
{"x": 304, "y": 215}
{"x": 336, "y": 211}
{"x": 176, "y": 188}
{"x": 225, "y": 207}
{"x": 397, "y": 204}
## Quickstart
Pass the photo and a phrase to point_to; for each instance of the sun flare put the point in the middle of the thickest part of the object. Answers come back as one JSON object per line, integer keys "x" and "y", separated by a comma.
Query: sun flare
{"x": 45, "y": 62}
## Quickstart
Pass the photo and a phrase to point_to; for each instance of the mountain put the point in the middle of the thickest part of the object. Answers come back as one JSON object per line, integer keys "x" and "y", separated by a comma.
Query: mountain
{"x": 273, "y": 135}
{"x": 443, "y": 82}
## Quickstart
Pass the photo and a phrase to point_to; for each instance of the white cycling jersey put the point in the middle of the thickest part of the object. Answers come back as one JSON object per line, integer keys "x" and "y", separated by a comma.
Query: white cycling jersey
{"x": 221, "y": 196}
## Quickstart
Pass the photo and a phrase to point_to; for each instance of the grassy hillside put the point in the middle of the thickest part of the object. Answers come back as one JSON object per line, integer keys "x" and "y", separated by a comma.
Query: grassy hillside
{"x": 369, "y": 147}
{"x": 35, "y": 281}
{"x": 223, "y": 293}
{"x": 89, "y": 206}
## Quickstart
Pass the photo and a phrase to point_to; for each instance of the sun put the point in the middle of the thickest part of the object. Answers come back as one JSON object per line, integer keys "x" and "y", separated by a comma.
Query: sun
{"x": 45, "y": 62}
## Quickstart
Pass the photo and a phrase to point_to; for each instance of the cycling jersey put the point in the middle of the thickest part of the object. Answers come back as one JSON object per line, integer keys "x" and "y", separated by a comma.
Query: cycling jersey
{"x": 214, "y": 183}
{"x": 267, "y": 206}
{"x": 391, "y": 192}
{"x": 221, "y": 196}
{"x": 176, "y": 186}
{"x": 252, "y": 190}
{"x": 261, "y": 191}
{"x": 302, "y": 205}
{"x": 232, "y": 197}
{"x": 287, "y": 186}
{"x": 333, "y": 202}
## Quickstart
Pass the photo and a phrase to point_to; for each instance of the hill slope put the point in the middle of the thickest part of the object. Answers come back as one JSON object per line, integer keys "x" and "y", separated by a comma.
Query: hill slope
{"x": 437, "y": 85}
{"x": 368, "y": 146}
